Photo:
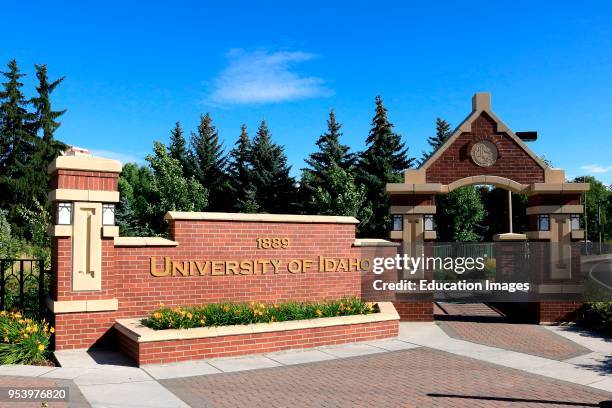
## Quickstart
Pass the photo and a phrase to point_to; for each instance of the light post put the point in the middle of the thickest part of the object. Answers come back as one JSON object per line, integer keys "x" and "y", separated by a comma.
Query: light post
{"x": 599, "y": 225}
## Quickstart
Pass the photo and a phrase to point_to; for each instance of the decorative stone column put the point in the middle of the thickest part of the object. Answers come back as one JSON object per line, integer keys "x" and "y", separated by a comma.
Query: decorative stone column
{"x": 84, "y": 191}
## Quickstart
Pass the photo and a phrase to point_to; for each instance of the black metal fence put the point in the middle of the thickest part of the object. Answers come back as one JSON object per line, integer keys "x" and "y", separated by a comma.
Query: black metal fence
{"x": 24, "y": 286}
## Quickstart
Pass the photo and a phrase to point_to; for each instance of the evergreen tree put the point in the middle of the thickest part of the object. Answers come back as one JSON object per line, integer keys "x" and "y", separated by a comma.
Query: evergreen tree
{"x": 46, "y": 117}
{"x": 443, "y": 132}
{"x": 383, "y": 161}
{"x": 331, "y": 154}
{"x": 273, "y": 186}
{"x": 178, "y": 150}
{"x": 209, "y": 163}
{"x": 240, "y": 175}
{"x": 17, "y": 143}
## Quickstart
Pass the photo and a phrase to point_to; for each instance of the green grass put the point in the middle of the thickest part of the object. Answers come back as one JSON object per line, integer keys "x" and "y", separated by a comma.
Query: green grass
{"x": 227, "y": 314}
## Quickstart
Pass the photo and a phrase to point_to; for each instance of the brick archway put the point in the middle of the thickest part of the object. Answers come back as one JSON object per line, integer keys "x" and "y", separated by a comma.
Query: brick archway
{"x": 484, "y": 150}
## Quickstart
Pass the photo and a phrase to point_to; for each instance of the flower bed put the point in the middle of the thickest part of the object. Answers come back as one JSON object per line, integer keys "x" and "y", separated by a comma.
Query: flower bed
{"x": 23, "y": 340}
{"x": 228, "y": 314}
{"x": 146, "y": 345}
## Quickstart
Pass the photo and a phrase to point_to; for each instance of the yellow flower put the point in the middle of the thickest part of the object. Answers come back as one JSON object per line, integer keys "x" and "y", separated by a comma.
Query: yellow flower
{"x": 161, "y": 304}
{"x": 202, "y": 321}
{"x": 41, "y": 346}
{"x": 25, "y": 335}
{"x": 319, "y": 313}
{"x": 156, "y": 315}
{"x": 6, "y": 339}
{"x": 226, "y": 308}
{"x": 189, "y": 315}
{"x": 273, "y": 319}
{"x": 52, "y": 330}
{"x": 3, "y": 313}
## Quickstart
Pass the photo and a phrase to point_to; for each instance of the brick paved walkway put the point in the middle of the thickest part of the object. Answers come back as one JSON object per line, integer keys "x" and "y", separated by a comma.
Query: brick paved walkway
{"x": 76, "y": 399}
{"x": 495, "y": 330}
{"x": 412, "y": 378}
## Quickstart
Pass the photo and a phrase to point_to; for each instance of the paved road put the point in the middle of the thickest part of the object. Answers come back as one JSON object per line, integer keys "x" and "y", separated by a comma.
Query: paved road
{"x": 419, "y": 377}
{"x": 600, "y": 271}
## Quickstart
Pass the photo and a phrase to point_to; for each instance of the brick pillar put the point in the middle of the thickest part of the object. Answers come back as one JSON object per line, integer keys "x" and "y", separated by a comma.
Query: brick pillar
{"x": 83, "y": 193}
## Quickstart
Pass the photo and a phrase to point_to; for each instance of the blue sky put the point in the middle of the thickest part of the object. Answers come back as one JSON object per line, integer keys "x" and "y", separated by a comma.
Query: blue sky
{"x": 133, "y": 69}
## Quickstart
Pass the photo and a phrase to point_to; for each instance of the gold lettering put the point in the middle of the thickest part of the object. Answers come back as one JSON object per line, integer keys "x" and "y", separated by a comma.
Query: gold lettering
{"x": 217, "y": 268}
{"x": 166, "y": 270}
{"x": 354, "y": 264}
{"x": 294, "y": 266}
{"x": 342, "y": 266}
{"x": 263, "y": 263}
{"x": 275, "y": 265}
{"x": 181, "y": 267}
{"x": 247, "y": 268}
{"x": 202, "y": 267}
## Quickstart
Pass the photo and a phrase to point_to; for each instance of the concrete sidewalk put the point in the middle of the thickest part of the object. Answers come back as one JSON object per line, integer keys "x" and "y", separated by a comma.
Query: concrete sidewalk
{"x": 108, "y": 379}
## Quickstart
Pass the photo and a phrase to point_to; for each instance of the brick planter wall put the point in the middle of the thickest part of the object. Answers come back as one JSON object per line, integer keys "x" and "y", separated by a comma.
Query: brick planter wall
{"x": 415, "y": 311}
{"x": 225, "y": 346}
{"x": 147, "y": 346}
{"x": 554, "y": 312}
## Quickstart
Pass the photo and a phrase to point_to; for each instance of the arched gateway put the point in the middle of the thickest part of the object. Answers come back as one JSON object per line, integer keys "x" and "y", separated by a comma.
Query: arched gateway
{"x": 103, "y": 284}
{"x": 483, "y": 150}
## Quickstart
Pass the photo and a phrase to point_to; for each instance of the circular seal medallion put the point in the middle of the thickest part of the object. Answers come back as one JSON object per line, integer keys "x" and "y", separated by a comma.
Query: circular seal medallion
{"x": 484, "y": 153}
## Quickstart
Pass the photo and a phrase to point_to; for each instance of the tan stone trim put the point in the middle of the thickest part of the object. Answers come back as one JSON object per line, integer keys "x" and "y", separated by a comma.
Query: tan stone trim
{"x": 136, "y": 331}
{"x": 374, "y": 242}
{"x": 554, "y": 176}
{"x": 508, "y": 236}
{"x": 413, "y": 209}
{"x": 98, "y": 196}
{"x": 76, "y": 306}
{"x": 292, "y": 218}
{"x": 578, "y": 234}
{"x": 84, "y": 163}
{"x": 425, "y": 188}
{"x": 414, "y": 176}
{"x": 538, "y": 235}
{"x": 143, "y": 241}
{"x": 110, "y": 231}
{"x": 555, "y": 209}
{"x": 430, "y": 235}
{"x": 497, "y": 181}
{"x": 481, "y": 102}
{"x": 60, "y": 231}
{"x": 395, "y": 235}
{"x": 558, "y": 188}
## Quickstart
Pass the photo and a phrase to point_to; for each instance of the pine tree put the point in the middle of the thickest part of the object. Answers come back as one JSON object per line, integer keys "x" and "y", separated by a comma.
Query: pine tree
{"x": 209, "y": 163}
{"x": 274, "y": 187}
{"x": 46, "y": 117}
{"x": 18, "y": 144}
{"x": 178, "y": 149}
{"x": 331, "y": 154}
{"x": 443, "y": 132}
{"x": 240, "y": 175}
{"x": 383, "y": 161}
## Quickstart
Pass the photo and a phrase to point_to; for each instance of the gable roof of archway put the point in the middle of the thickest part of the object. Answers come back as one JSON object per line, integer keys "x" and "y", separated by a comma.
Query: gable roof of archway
{"x": 510, "y": 164}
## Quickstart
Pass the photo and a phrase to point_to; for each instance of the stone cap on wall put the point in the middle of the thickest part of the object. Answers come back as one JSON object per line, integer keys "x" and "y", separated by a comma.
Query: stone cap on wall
{"x": 292, "y": 218}
{"x": 84, "y": 163}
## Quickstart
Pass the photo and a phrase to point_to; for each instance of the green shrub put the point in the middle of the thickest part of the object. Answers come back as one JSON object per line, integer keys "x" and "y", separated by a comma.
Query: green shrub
{"x": 225, "y": 314}
{"x": 23, "y": 340}
{"x": 597, "y": 316}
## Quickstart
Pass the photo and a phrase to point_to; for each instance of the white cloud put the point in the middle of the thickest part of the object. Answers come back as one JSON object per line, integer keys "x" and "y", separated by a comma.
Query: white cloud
{"x": 122, "y": 157}
{"x": 596, "y": 169}
{"x": 265, "y": 77}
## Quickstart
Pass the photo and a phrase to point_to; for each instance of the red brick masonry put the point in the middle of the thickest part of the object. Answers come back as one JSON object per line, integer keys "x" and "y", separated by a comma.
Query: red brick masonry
{"x": 148, "y": 346}
{"x": 224, "y": 346}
